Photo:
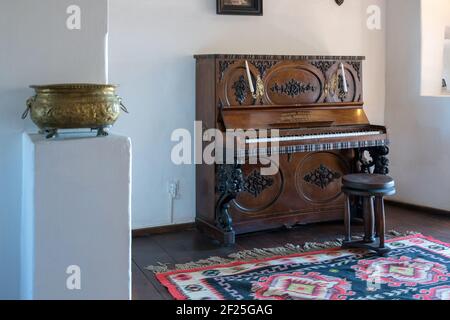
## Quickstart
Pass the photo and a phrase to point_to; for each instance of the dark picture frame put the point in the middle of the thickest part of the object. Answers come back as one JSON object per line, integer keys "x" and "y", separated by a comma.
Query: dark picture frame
{"x": 253, "y": 8}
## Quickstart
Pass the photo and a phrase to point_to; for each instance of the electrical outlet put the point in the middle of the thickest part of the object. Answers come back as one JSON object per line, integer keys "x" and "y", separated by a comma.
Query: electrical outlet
{"x": 174, "y": 189}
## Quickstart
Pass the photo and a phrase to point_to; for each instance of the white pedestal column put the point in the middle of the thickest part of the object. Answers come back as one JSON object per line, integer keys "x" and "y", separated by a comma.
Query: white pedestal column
{"x": 76, "y": 217}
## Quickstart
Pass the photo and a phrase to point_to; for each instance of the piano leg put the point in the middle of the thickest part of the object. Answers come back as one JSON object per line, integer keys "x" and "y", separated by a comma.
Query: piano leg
{"x": 379, "y": 162}
{"x": 229, "y": 183}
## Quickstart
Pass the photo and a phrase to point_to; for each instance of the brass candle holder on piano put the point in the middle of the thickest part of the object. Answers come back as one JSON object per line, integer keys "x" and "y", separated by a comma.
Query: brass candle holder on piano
{"x": 259, "y": 89}
{"x": 338, "y": 83}
{"x": 259, "y": 84}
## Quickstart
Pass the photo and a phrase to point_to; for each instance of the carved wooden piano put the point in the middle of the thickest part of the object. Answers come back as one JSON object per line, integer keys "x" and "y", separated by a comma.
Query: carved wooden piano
{"x": 316, "y": 103}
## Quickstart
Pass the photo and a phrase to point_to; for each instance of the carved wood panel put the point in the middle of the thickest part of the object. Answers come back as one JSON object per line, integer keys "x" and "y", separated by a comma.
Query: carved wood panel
{"x": 291, "y": 83}
{"x": 318, "y": 177}
{"x": 306, "y": 183}
{"x": 235, "y": 88}
{"x": 352, "y": 76}
{"x": 260, "y": 192}
{"x": 288, "y": 82}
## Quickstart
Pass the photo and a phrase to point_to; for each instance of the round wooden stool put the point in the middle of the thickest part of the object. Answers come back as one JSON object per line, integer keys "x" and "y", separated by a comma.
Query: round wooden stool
{"x": 372, "y": 188}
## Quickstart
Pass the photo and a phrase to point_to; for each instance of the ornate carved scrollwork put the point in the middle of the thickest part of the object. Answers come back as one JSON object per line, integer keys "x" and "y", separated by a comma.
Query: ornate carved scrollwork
{"x": 322, "y": 177}
{"x": 223, "y": 66}
{"x": 322, "y": 65}
{"x": 357, "y": 66}
{"x": 293, "y": 88}
{"x": 263, "y": 66}
{"x": 241, "y": 90}
{"x": 341, "y": 92}
{"x": 379, "y": 164}
{"x": 255, "y": 183}
{"x": 230, "y": 182}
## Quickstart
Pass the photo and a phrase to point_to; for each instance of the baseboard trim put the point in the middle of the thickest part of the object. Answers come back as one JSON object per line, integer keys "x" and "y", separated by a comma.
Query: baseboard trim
{"x": 161, "y": 230}
{"x": 417, "y": 207}
{"x": 185, "y": 226}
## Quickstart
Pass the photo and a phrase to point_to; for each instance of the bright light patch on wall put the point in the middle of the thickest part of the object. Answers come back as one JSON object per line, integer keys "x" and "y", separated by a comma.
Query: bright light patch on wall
{"x": 446, "y": 67}
{"x": 435, "y": 16}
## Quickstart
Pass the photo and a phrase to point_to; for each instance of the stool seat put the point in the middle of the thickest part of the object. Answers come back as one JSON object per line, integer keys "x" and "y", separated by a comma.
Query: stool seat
{"x": 367, "y": 182}
{"x": 371, "y": 192}
{"x": 367, "y": 191}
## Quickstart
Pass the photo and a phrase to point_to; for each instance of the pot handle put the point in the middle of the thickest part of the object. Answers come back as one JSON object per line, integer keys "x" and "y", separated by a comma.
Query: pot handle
{"x": 30, "y": 102}
{"x": 122, "y": 106}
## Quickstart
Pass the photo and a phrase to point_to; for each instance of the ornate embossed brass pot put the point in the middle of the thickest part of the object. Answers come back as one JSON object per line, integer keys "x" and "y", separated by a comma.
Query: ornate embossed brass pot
{"x": 68, "y": 106}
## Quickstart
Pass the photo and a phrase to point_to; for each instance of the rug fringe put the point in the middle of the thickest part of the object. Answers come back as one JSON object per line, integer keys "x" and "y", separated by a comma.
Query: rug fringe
{"x": 255, "y": 254}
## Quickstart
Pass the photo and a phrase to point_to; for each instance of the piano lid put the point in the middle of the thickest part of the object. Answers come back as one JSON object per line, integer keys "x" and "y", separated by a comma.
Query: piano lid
{"x": 278, "y": 57}
{"x": 291, "y": 117}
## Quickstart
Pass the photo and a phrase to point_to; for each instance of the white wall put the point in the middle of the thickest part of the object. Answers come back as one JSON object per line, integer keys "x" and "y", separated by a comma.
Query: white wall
{"x": 36, "y": 48}
{"x": 151, "y": 48}
{"x": 419, "y": 126}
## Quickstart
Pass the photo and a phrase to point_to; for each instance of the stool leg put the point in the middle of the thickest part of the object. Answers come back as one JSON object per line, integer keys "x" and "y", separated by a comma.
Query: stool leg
{"x": 381, "y": 218}
{"x": 347, "y": 219}
{"x": 369, "y": 219}
{"x": 377, "y": 220}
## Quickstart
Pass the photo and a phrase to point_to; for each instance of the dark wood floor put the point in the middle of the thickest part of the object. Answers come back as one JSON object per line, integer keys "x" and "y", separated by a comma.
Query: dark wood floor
{"x": 189, "y": 245}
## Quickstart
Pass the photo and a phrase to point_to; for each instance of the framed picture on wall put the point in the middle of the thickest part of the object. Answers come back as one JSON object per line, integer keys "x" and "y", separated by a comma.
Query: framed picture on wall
{"x": 240, "y": 7}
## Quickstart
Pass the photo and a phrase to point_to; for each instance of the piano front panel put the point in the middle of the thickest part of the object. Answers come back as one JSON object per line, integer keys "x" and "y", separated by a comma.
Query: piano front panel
{"x": 291, "y": 118}
{"x": 292, "y": 83}
{"x": 306, "y": 184}
{"x": 288, "y": 82}
{"x": 260, "y": 192}
{"x": 318, "y": 177}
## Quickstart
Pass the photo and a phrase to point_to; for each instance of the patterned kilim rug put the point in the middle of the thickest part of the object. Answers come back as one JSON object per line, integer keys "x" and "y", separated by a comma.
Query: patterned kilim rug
{"x": 416, "y": 269}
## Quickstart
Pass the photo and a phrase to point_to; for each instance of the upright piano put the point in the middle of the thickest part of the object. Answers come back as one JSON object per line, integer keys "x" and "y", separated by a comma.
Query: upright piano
{"x": 315, "y": 104}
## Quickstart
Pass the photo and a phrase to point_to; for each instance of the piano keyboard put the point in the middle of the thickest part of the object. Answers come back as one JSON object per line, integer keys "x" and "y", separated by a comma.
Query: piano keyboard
{"x": 317, "y": 136}
{"x": 314, "y": 143}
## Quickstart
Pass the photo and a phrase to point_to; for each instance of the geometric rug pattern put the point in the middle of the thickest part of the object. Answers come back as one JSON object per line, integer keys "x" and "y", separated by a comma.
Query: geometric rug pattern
{"x": 417, "y": 268}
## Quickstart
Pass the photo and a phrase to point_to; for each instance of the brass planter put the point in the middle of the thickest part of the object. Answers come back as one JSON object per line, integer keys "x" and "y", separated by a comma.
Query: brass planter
{"x": 70, "y": 106}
